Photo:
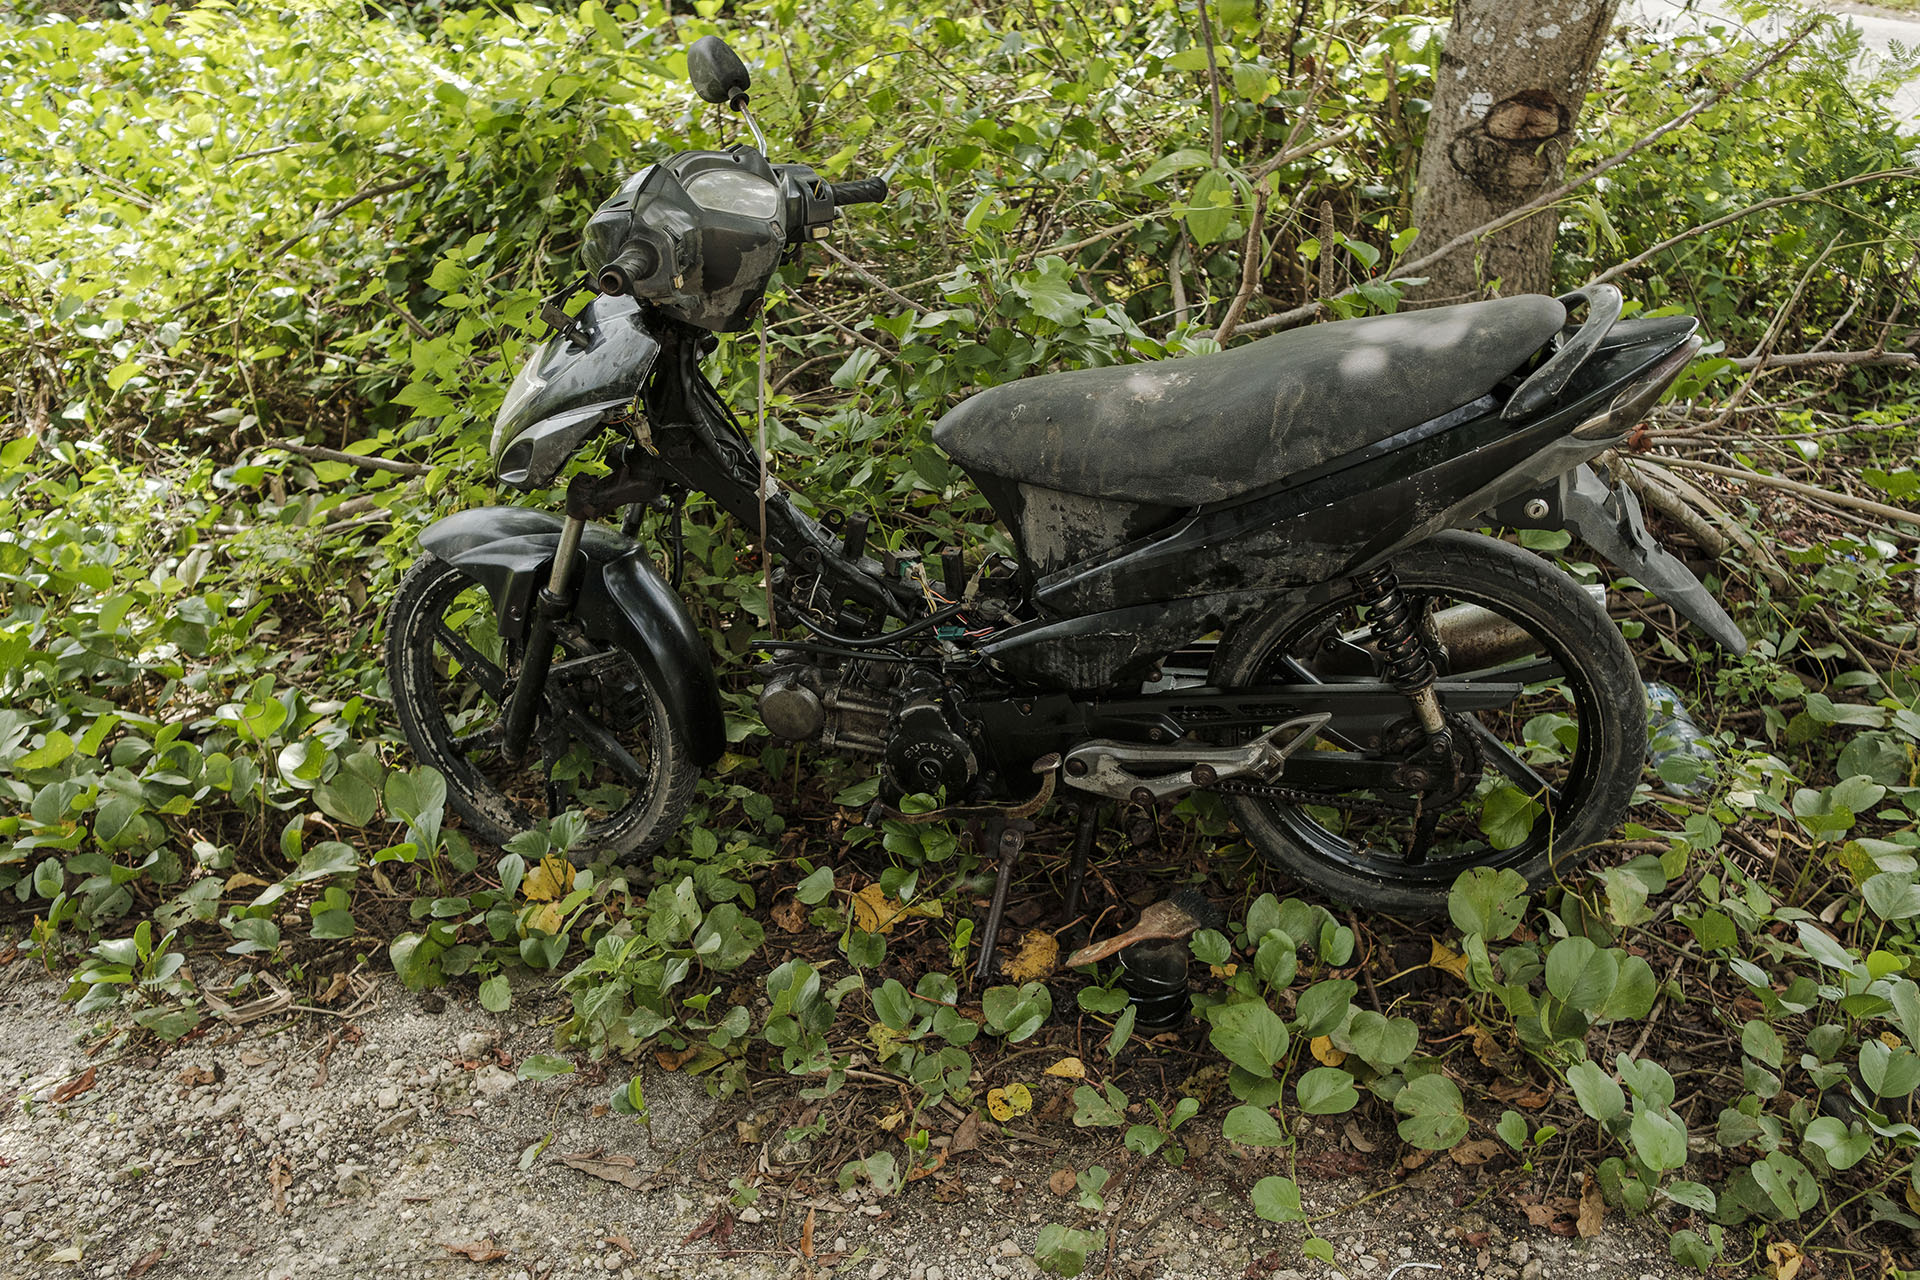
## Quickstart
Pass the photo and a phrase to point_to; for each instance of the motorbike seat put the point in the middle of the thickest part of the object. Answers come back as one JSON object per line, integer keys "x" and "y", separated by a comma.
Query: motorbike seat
{"x": 1207, "y": 429}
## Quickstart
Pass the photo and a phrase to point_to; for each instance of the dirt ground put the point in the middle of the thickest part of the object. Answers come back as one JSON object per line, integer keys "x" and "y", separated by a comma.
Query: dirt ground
{"x": 399, "y": 1142}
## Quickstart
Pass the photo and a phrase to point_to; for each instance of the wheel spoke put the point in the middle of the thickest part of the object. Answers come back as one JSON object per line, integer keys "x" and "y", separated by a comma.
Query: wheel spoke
{"x": 483, "y": 672}
{"x": 609, "y": 747}
{"x": 1522, "y": 774}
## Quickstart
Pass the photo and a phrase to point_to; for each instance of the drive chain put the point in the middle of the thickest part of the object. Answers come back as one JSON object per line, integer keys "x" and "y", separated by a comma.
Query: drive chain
{"x": 1300, "y": 795}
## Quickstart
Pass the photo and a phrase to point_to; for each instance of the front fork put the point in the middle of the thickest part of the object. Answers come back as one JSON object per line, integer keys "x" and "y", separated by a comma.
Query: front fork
{"x": 523, "y": 706}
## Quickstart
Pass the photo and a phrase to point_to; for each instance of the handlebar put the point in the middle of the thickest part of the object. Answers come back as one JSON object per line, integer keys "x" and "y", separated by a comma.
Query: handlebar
{"x": 636, "y": 263}
{"x": 859, "y": 191}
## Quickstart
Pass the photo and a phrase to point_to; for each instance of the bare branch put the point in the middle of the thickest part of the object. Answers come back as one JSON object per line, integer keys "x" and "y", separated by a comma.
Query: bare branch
{"x": 1252, "y": 255}
{"x": 1797, "y": 359}
{"x": 871, "y": 279}
{"x": 1759, "y": 206}
{"x": 1213, "y": 79}
{"x": 365, "y": 462}
{"x": 1880, "y": 509}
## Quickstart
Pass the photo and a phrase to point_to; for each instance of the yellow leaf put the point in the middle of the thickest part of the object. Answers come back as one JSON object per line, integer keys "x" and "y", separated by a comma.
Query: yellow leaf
{"x": 545, "y": 918}
{"x": 1444, "y": 957}
{"x": 1912, "y": 1194}
{"x": 892, "y": 1120}
{"x": 1038, "y": 952}
{"x": 1223, "y": 971}
{"x": 875, "y": 912}
{"x": 1889, "y": 1039}
{"x": 549, "y": 881}
{"x": 1785, "y": 1259}
{"x": 1324, "y": 1053}
{"x": 1071, "y": 1068}
{"x": 1010, "y": 1102}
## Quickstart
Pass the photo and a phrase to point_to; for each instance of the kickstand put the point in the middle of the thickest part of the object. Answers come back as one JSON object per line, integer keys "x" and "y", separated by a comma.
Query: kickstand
{"x": 1082, "y": 847}
{"x": 1006, "y": 838}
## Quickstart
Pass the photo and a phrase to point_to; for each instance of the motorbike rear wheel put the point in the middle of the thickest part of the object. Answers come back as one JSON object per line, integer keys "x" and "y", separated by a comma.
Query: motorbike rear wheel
{"x": 603, "y": 745}
{"x": 1537, "y": 784}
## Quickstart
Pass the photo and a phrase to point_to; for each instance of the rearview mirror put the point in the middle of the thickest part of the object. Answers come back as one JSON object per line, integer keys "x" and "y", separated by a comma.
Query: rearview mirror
{"x": 716, "y": 71}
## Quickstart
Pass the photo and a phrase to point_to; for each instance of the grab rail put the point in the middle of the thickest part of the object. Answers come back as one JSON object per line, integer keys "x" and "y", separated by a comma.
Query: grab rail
{"x": 1550, "y": 379}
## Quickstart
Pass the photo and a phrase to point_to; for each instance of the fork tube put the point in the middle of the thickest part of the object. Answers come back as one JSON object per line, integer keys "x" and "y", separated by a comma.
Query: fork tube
{"x": 524, "y": 704}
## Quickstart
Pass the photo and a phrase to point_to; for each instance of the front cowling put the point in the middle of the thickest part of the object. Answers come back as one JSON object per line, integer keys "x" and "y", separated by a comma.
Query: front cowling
{"x": 566, "y": 390}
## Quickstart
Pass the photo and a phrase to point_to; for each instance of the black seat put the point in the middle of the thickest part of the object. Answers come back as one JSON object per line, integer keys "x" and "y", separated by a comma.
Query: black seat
{"x": 1209, "y": 428}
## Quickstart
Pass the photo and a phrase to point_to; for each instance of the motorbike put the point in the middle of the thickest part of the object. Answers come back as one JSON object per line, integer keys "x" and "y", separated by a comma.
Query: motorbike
{"x": 1254, "y": 573}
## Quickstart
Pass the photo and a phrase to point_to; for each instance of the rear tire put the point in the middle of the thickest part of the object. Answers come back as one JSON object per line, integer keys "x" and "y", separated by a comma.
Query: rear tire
{"x": 446, "y": 710}
{"x": 1590, "y": 686}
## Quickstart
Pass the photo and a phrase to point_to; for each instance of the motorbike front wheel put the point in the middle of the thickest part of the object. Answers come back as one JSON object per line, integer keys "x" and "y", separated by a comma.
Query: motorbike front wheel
{"x": 1533, "y": 786}
{"x": 603, "y": 745}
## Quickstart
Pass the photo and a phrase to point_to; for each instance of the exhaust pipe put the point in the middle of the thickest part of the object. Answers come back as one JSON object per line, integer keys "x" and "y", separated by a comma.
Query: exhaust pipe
{"x": 1476, "y": 638}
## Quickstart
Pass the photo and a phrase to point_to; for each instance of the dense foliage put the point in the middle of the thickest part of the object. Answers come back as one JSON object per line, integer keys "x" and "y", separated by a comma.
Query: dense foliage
{"x": 232, "y": 234}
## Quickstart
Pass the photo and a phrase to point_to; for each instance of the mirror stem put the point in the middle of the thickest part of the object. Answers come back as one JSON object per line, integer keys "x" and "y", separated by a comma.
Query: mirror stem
{"x": 740, "y": 104}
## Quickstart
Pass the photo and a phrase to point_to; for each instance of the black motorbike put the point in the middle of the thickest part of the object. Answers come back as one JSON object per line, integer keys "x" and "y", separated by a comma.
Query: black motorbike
{"x": 1249, "y": 573}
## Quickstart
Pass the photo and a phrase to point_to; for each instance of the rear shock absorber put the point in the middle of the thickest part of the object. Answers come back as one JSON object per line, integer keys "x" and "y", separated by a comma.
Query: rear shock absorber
{"x": 1409, "y": 663}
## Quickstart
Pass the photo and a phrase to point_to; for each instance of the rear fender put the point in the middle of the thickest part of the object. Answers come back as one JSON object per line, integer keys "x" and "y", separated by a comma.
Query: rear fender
{"x": 1609, "y": 521}
{"x": 622, "y": 601}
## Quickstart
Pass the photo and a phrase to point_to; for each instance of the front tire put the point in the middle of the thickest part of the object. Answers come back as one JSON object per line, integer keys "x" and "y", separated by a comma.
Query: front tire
{"x": 603, "y": 746}
{"x": 1570, "y": 746}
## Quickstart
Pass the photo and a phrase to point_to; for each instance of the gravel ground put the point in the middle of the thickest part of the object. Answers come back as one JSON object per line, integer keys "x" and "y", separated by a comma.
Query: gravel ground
{"x": 312, "y": 1146}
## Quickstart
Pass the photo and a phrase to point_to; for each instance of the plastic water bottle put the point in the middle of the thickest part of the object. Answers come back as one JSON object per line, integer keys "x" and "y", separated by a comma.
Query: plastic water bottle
{"x": 1672, "y": 735}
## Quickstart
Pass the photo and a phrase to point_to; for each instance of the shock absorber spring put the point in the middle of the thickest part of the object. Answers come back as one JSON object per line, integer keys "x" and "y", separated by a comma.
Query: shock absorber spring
{"x": 1395, "y": 633}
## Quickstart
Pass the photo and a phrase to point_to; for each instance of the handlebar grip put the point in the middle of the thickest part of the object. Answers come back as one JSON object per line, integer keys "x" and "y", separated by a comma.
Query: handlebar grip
{"x": 859, "y": 191}
{"x": 636, "y": 263}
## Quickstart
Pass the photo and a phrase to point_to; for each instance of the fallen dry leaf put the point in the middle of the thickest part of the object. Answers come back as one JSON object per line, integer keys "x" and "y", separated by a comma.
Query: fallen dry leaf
{"x": 673, "y": 1060}
{"x": 1444, "y": 957}
{"x": 549, "y": 881}
{"x": 1593, "y": 1208}
{"x": 1070, "y": 1068}
{"x": 1324, "y": 1053}
{"x": 1538, "y": 1215}
{"x": 146, "y": 1263}
{"x": 620, "y": 1169}
{"x": 74, "y": 1087}
{"x": 966, "y": 1136}
{"x": 1520, "y": 1094}
{"x": 1358, "y": 1140}
{"x": 1489, "y": 1050}
{"x": 790, "y": 916}
{"x": 928, "y": 1170}
{"x": 483, "y": 1250}
{"x": 1063, "y": 1181}
{"x": 279, "y": 1177}
{"x": 875, "y": 912}
{"x": 1786, "y": 1260}
{"x": 1039, "y": 952}
{"x": 806, "y": 1235}
{"x": 1475, "y": 1152}
{"x": 1008, "y": 1103}
{"x": 621, "y": 1243}
{"x": 248, "y": 1058}
{"x": 197, "y": 1076}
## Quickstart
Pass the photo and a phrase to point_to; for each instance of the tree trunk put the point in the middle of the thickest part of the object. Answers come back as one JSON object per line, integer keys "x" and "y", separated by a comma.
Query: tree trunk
{"x": 1507, "y": 98}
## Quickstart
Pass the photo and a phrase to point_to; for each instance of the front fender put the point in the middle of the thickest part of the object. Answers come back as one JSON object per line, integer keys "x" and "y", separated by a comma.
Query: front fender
{"x": 622, "y": 601}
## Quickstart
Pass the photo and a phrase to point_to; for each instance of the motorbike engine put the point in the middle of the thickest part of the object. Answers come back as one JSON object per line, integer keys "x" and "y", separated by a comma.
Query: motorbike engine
{"x": 873, "y": 709}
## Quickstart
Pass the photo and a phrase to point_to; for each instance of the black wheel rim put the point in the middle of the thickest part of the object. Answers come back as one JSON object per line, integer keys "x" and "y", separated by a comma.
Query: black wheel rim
{"x": 1551, "y": 762}
{"x": 592, "y": 745}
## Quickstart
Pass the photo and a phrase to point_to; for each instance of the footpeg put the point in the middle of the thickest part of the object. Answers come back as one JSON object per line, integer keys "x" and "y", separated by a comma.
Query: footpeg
{"x": 1140, "y": 773}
